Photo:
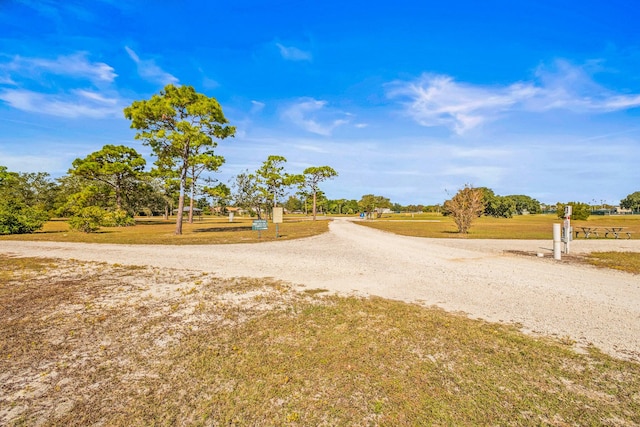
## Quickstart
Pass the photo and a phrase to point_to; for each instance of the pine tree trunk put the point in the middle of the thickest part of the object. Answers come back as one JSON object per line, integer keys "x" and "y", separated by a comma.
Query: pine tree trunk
{"x": 191, "y": 204}
{"x": 314, "y": 205}
{"x": 183, "y": 180}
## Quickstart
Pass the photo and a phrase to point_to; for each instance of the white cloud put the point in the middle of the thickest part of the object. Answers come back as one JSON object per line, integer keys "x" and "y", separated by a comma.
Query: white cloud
{"x": 6, "y": 80}
{"x": 438, "y": 100}
{"x": 134, "y": 56}
{"x": 49, "y": 162}
{"x": 73, "y": 66}
{"x": 210, "y": 83}
{"x": 293, "y": 53}
{"x": 311, "y": 115}
{"x": 95, "y": 96}
{"x": 256, "y": 107}
{"x": 87, "y": 82}
{"x": 80, "y": 103}
{"x": 147, "y": 69}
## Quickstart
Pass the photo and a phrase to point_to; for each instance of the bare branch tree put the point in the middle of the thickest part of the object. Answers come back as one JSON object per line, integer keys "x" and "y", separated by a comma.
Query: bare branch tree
{"x": 465, "y": 207}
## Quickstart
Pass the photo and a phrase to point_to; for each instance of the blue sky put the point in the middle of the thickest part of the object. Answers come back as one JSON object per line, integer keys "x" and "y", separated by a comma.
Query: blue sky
{"x": 406, "y": 99}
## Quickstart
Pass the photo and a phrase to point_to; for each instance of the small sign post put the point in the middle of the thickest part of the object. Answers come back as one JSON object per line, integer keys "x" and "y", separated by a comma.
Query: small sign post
{"x": 277, "y": 217}
{"x": 259, "y": 225}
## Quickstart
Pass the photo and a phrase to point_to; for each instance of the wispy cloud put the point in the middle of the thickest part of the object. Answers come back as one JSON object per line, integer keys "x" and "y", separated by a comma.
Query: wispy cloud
{"x": 256, "y": 106}
{"x": 312, "y": 116}
{"x": 149, "y": 70}
{"x": 78, "y": 103}
{"x": 76, "y": 66}
{"x": 439, "y": 100}
{"x": 32, "y": 84}
{"x": 291, "y": 53}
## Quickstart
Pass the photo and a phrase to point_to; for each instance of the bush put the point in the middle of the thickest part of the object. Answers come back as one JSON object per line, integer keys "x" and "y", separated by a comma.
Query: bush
{"x": 580, "y": 211}
{"x": 465, "y": 207}
{"x": 16, "y": 218}
{"x": 118, "y": 218}
{"x": 87, "y": 219}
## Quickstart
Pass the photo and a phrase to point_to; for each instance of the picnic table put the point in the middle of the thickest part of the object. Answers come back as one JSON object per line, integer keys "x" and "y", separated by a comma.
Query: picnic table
{"x": 587, "y": 231}
{"x": 616, "y": 231}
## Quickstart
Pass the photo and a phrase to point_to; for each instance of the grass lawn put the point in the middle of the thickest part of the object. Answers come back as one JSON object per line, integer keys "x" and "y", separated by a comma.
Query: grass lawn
{"x": 518, "y": 227}
{"x": 208, "y": 230}
{"x": 98, "y": 344}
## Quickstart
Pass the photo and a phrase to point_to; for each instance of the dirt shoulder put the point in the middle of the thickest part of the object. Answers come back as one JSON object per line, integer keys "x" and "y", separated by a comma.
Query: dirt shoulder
{"x": 478, "y": 277}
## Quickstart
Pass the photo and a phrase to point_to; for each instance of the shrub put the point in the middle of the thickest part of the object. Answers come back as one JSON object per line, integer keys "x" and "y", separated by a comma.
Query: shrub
{"x": 118, "y": 218}
{"x": 16, "y": 218}
{"x": 465, "y": 207}
{"x": 580, "y": 211}
{"x": 87, "y": 219}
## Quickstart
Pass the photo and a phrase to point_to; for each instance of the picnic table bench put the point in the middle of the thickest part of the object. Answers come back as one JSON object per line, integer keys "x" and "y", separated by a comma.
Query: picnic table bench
{"x": 616, "y": 231}
{"x": 587, "y": 231}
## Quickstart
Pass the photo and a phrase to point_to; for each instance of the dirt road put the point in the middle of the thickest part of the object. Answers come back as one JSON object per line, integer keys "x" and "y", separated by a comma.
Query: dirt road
{"x": 477, "y": 277}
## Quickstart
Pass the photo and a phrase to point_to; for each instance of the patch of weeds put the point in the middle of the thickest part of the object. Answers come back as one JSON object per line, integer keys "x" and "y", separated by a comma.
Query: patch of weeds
{"x": 315, "y": 291}
{"x": 13, "y": 267}
{"x": 190, "y": 291}
{"x": 624, "y": 261}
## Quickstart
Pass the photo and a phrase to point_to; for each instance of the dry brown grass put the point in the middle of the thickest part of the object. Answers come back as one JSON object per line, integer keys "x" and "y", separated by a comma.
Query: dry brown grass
{"x": 209, "y": 230}
{"x": 98, "y": 344}
{"x": 623, "y": 261}
{"x": 518, "y": 227}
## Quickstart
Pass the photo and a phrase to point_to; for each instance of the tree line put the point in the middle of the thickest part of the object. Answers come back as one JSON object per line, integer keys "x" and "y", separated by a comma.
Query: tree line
{"x": 470, "y": 203}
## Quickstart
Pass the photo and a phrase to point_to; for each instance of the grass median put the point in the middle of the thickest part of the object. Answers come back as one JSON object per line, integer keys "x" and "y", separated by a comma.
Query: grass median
{"x": 518, "y": 227}
{"x": 99, "y": 344}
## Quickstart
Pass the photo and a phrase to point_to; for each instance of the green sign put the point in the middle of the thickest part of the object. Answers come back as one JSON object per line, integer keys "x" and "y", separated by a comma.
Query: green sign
{"x": 259, "y": 224}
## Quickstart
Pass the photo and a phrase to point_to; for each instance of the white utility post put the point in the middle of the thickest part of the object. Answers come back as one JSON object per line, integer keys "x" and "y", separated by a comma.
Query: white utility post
{"x": 557, "y": 241}
{"x": 567, "y": 228}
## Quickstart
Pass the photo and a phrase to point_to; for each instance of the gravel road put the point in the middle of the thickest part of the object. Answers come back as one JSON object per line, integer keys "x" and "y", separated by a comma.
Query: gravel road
{"x": 477, "y": 277}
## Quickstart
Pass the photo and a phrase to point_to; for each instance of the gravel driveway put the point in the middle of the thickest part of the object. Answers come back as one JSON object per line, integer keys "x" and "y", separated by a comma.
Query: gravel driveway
{"x": 477, "y": 277}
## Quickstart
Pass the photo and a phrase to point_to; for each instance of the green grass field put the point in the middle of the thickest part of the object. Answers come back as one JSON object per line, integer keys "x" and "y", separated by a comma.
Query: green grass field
{"x": 98, "y": 344}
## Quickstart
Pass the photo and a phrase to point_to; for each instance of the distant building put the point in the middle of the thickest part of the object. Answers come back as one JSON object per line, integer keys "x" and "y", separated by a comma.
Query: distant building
{"x": 622, "y": 211}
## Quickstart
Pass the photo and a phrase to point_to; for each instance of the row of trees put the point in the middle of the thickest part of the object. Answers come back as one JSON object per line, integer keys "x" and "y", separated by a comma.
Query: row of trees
{"x": 507, "y": 206}
{"x": 259, "y": 192}
{"x": 24, "y": 201}
{"x": 632, "y": 201}
{"x": 470, "y": 203}
{"x": 109, "y": 186}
